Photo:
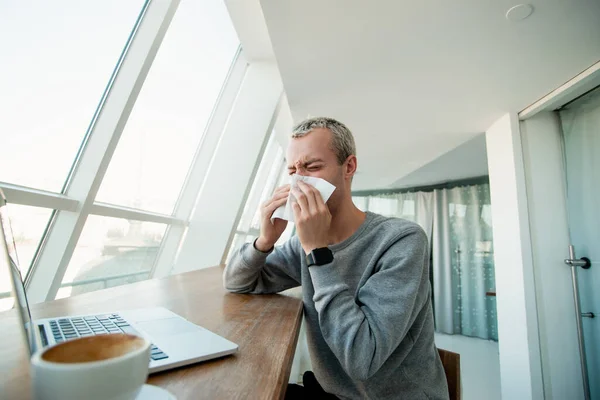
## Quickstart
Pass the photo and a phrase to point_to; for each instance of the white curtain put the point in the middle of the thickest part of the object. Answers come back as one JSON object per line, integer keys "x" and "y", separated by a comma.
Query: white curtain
{"x": 413, "y": 206}
{"x": 459, "y": 227}
{"x": 463, "y": 266}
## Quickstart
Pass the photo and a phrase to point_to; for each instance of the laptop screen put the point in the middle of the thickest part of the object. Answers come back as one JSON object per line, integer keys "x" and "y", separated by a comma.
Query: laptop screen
{"x": 9, "y": 261}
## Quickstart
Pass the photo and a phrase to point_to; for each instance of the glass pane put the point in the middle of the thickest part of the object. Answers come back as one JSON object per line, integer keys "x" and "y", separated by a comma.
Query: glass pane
{"x": 264, "y": 185}
{"x": 258, "y": 188}
{"x": 238, "y": 240}
{"x": 232, "y": 248}
{"x": 6, "y": 298}
{"x": 269, "y": 188}
{"x": 58, "y": 58}
{"x": 581, "y": 129}
{"x": 111, "y": 252}
{"x": 166, "y": 125}
{"x": 286, "y": 235}
{"x": 28, "y": 225}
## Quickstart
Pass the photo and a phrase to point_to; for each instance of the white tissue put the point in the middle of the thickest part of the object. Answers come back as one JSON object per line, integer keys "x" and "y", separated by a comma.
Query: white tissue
{"x": 325, "y": 188}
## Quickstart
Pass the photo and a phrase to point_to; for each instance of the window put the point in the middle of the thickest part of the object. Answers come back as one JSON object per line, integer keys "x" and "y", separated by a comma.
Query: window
{"x": 267, "y": 179}
{"x": 62, "y": 56}
{"x": 28, "y": 225}
{"x": 58, "y": 58}
{"x": 111, "y": 252}
{"x": 164, "y": 129}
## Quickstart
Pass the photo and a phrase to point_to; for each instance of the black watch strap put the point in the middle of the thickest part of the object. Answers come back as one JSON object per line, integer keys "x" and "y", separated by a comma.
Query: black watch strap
{"x": 321, "y": 256}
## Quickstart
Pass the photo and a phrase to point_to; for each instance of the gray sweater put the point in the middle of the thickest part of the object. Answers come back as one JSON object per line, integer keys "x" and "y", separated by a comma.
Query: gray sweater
{"x": 368, "y": 313}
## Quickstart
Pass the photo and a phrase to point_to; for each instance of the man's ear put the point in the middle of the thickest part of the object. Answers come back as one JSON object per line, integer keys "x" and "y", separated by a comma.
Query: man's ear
{"x": 350, "y": 167}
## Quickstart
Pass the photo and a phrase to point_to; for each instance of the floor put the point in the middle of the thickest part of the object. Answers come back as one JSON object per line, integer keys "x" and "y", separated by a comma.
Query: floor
{"x": 479, "y": 365}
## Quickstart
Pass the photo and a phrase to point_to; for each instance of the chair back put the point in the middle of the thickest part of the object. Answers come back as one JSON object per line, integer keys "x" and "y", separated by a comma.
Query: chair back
{"x": 451, "y": 363}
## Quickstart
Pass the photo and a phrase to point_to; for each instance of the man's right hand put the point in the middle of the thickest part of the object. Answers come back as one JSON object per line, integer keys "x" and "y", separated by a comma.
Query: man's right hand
{"x": 271, "y": 232}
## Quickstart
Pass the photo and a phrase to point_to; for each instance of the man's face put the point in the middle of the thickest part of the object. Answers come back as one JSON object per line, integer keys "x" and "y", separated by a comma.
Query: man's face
{"x": 312, "y": 155}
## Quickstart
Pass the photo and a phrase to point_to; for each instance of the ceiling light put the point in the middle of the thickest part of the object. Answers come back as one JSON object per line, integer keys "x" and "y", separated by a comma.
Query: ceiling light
{"x": 519, "y": 12}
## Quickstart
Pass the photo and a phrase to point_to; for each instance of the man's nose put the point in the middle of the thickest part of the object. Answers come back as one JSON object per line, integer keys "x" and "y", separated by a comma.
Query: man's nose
{"x": 300, "y": 170}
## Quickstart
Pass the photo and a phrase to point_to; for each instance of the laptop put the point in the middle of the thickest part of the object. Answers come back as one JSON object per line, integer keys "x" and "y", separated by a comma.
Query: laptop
{"x": 175, "y": 341}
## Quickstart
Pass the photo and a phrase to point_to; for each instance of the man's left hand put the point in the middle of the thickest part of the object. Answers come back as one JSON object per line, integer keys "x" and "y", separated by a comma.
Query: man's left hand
{"x": 312, "y": 216}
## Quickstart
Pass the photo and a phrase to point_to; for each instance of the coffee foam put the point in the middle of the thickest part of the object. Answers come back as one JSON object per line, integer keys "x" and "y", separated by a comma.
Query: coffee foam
{"x": 93, "y": 348}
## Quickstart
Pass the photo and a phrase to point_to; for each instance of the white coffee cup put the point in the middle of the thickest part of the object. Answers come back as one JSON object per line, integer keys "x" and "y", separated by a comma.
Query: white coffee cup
{"x": 102, "y": 367}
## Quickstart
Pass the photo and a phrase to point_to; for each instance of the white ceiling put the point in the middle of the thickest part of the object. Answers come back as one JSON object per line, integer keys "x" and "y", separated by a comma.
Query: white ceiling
{"x": 467, "y": 160}
{"x": 414, "y": 80}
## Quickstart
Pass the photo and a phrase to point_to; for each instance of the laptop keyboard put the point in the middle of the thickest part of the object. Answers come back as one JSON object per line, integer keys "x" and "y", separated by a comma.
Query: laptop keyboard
{"x": 71, "y": 328}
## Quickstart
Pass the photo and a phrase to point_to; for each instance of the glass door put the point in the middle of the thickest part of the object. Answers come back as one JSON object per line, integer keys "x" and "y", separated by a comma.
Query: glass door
{"x": 581, "y": 130}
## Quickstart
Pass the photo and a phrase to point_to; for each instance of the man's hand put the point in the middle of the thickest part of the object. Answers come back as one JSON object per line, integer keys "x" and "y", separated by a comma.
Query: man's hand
{"x": 313, "y": 218}
{"x": 271, "y": 232}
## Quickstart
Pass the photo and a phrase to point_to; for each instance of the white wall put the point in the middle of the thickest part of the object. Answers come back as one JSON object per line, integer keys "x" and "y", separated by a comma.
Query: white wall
{"x": 520, "y": 363}
{"x": 546, "y": 193}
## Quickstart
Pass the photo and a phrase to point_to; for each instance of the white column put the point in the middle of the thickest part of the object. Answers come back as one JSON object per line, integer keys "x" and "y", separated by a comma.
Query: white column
{"x": 200, "y": 165}
{"x": 518, "y": 337}
{"x": 232, "y": 168}
{"x": 104, "y": 134}
{"x": 546, "y": 194}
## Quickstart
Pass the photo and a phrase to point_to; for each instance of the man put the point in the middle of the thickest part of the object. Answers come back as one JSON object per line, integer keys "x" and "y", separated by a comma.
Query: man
{"x": 364, "y": 277}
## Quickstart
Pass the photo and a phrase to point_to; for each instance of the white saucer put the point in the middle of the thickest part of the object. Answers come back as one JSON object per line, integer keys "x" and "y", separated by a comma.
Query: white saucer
{"x": 150, "y": 392}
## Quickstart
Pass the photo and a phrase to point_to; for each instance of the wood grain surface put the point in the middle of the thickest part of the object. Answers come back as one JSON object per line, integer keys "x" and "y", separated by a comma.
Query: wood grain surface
{"x": 451, "y": 363}
{"x": 265, "y": 327}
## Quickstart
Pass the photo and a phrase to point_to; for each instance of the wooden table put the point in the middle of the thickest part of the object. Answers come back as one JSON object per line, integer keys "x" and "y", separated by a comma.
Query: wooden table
{"x": 265, "y": 327}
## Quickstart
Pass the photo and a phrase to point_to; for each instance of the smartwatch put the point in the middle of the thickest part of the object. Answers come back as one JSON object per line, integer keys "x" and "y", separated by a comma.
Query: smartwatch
{"x": 320, "y": 256}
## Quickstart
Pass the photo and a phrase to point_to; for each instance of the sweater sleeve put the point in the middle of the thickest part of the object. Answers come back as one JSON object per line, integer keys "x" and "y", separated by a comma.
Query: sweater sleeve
{"x": 363, "y": 333}
{"x": 252, "y": 271}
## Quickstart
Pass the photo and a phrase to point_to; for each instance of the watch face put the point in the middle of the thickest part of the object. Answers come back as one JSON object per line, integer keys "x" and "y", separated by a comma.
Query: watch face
{"x": 320, "y": 256}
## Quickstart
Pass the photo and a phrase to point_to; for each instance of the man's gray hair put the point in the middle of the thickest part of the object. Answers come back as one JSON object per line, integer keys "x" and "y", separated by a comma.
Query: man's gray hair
{"x": 342, "y": 139}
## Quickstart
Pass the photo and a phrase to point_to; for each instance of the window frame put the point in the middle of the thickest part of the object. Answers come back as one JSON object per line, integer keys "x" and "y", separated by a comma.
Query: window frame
{"x": 272, "y": 161}
{"x": 77, "y": 201}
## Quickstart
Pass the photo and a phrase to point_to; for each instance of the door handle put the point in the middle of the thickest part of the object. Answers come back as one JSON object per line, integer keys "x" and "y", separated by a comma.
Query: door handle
{"x": 582, "y": 262}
